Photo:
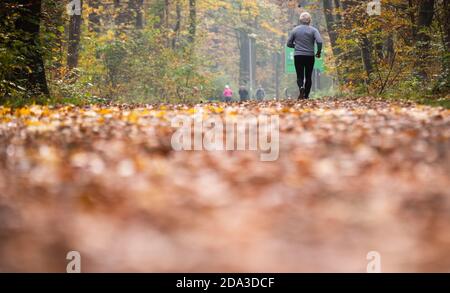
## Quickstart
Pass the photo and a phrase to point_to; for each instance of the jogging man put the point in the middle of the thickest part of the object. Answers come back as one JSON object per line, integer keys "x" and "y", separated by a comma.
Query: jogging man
{"x": 303, "y": 38}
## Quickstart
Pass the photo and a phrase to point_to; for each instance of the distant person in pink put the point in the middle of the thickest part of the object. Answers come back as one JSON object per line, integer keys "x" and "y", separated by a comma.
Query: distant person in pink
{"x": 227, "y": 94}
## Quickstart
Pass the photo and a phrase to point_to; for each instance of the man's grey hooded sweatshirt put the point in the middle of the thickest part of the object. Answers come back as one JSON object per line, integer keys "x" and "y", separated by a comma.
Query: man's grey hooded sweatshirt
{"x": 302, "y": 38}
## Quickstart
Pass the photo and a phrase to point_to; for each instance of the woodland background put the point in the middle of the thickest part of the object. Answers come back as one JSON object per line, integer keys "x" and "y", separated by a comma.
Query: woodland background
{"x": 187, "y": 50}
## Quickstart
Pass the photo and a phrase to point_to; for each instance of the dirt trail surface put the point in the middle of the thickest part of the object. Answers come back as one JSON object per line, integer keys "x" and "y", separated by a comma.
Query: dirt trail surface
{"x": 353, "y": 176}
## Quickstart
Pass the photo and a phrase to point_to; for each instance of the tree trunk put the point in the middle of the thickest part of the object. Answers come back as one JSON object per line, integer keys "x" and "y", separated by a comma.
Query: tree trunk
{"x": 121, "y": 17}
{"x": 33, "y": 78}
{"x": 136, "y": 14}
{"x": 244, "y": 69}
{"x": 166, "y": 13}
{"x": 446, "y": 22}
{"x": 57, "y": 13}
{"x": 425, "y": 16}
{"x": 412, "y": 19}
{"x": 445, "y": 75}
{"x": 390, "y": 48}
{"x": 192, "y": 20}
{"x": 140, "y": 14}
{"x": 247, "y": 66}
{"x": 253, "y": 65}
{"x": 94, "y": 16}
{"x": 177, "y": 27}
{"x": 161, "y": 9}
{"x": 423, "y": 40}
{"x": 73, "y": 49}
{"x": 333, "y": 18}
{"x": 331, "y": 22}
{"x": 366, "y": 49}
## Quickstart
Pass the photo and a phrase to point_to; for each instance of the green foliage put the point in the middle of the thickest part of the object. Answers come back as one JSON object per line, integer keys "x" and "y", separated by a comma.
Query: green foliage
{"x": 142, "y": 69}
{"x": 11, "y": 57}
{"x": 113, "y": 54}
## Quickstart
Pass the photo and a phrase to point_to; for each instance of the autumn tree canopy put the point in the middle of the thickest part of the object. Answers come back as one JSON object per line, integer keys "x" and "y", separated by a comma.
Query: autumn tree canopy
{"x": 162, "y": 50}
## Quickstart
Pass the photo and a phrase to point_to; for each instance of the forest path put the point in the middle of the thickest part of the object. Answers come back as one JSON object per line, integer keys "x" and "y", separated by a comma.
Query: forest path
{"x": 353, "y": 176}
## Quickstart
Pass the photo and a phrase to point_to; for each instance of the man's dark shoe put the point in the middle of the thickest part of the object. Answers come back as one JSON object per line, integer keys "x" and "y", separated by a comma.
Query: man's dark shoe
{"x": 301, "y": 96}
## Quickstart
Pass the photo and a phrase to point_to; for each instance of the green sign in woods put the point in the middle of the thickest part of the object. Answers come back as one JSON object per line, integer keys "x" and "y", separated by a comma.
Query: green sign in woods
{"x": 290, "y": 66}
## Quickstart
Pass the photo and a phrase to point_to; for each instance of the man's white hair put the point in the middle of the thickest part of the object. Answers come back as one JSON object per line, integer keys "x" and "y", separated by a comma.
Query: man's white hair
{"x": 305, "y": 18}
